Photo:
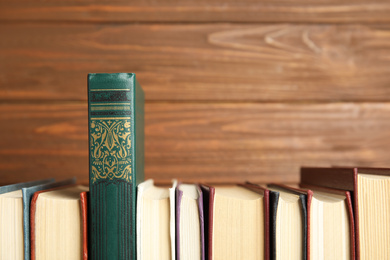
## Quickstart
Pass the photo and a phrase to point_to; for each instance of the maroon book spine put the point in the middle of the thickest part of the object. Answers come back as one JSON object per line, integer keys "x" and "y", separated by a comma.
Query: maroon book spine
{"x": 84, "y": 219}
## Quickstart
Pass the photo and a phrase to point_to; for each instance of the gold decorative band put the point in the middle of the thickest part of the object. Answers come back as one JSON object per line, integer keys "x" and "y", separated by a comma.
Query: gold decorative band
{"x": 99, "y": 108}
{"x": 108, "y": 118}
{"x": 109, "y": 104}
{"x": 110, "y": 89}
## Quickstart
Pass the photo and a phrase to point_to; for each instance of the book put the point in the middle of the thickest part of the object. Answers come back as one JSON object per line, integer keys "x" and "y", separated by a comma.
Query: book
{"x": 189, "y": 222}
{"x": 371, "y": 198}
{"x": 265, "y": 193}
{"x": 58, "y": 223}
{"x": 11, "y": 219}
{"x": 28, "y": 193}
{"x": 153, "y": 222}
{"x": 235, "y": 222}
{"x": 15, "y": 218}
{"x": 288, "y": 222}
{"x": 330, "y": 222}
{"x": 11, "y": 225}
{"x": 116, "y": 162}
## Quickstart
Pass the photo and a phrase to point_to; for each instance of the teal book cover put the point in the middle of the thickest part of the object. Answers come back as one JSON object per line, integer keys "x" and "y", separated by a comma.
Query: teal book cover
{"x": 116, "y": 162}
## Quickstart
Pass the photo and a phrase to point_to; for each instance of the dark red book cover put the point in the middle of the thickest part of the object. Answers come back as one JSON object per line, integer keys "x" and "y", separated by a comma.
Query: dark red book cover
{"x": 341, "y": 178}
{"x": 84, "y": 215}
{"x": 347, "y": 194}
{"x": 84, "y": 221}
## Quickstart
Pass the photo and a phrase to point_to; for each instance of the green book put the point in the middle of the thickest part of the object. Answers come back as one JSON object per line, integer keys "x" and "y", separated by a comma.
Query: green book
{"x": 116, "y": 163}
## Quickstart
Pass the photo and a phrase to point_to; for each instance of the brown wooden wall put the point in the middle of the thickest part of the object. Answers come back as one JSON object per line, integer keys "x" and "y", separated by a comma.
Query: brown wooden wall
{"x": 235, "y": 90}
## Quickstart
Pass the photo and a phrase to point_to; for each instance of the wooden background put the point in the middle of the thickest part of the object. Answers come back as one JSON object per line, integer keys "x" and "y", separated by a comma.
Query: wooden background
{"x": 235, "y": 91}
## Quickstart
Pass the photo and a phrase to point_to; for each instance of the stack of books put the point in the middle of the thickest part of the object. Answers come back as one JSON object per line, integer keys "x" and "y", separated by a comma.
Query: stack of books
{"x": 334, "y": 213}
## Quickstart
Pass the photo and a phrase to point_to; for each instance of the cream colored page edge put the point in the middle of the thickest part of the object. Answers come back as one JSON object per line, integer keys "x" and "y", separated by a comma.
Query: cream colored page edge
{"x": 142, "y": 187}
{"x": 172, "y": 203}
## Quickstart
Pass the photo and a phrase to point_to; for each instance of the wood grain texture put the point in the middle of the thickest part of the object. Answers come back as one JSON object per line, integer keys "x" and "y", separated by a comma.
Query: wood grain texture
{"x": 343, "y": 11}
{"x": 202, "y": 142}
{"x": 207, "y": 62}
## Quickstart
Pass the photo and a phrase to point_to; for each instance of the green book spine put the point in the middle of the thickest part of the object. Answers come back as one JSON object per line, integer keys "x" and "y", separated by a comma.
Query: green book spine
{"x": 116, "y": 163}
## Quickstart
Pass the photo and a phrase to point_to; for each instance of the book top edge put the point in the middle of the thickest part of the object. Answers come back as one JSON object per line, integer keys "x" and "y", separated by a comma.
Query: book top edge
{"x": 111, "y": 81}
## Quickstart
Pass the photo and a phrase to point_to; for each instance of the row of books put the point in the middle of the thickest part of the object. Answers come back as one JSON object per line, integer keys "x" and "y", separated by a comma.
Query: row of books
{"x": 335, "y": 213}
{"x": 245, "y": 222}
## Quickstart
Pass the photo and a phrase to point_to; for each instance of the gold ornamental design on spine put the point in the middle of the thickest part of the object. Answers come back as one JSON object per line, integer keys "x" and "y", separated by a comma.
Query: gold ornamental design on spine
{"x": 110, "y": 149}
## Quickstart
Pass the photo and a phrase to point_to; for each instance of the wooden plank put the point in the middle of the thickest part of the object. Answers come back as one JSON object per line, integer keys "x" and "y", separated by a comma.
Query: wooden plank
{"x": 202, "y": 142}
{"x": 324, "y": 11}
{"x": 208, "y": 62}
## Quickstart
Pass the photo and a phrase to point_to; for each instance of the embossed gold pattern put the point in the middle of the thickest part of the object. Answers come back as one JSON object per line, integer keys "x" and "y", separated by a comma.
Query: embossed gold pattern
{"x": 110, "y": 149}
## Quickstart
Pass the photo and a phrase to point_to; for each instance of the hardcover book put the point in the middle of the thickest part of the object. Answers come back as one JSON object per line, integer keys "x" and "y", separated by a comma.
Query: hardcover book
{"x": 330, "y": 224}
{"x": 189, "y": 222}
{"x": 58, "y": 223}
{"x": 371, "y": 202}
{"x": 28, "y": 193}
{"x": 235, "y": 221}
{"x": 153, "y": 222}
{"x": 11, "y": 219}
{"x": 265, "y": 193}
{"x": 288, "y": 222}
{"x": 116, "y": 162}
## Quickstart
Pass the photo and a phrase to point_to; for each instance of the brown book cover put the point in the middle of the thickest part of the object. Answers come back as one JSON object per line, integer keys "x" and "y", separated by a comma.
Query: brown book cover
{"x": 84, "y": 210}
{"x": 341, "y": 178}
{"x": 309, "y": 189}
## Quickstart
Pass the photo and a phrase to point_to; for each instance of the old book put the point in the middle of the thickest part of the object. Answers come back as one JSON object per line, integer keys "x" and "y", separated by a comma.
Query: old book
{"x": 235, "y": 222}
{"x": 288, "y": 222}
{"x": 28, "y": 193}
{"x": 153, "y": 222}
{"x": 371, "y": 196}
{"x": 17, "y": 199}
{"x": 20, "y": 199}
{"x": 11, "y": 219}
{"x": 57, "y": 220}
{"x": 189, "y": 222}
{"x": 11, "y": 225}
{"x": 116, "y": 162}
{"x": 265, "y": 193}
{"x": 330, "y": 222}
